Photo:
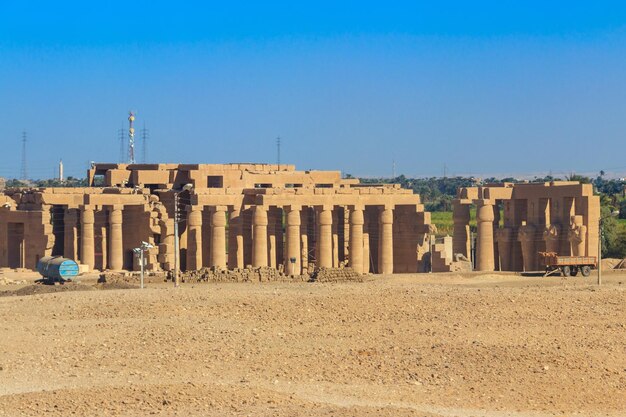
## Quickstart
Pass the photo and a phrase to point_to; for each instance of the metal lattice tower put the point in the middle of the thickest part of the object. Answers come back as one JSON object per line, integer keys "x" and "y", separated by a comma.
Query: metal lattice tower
{"x": 145, "y": 135}
{"x": 131, "y": 138}
{"x": 24, "y": 172}
{"x": 122, "y": 138}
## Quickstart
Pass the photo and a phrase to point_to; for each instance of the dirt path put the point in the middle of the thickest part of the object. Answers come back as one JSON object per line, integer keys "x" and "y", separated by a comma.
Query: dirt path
{"x": 419, "y": 345}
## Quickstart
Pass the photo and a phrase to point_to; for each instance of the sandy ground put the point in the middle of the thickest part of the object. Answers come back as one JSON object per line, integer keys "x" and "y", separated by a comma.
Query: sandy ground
{"x": 404, "y": 345}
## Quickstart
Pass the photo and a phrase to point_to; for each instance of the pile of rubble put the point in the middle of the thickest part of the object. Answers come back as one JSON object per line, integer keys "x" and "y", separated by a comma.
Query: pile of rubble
{"x": 261, "y": 274}
{"x": 250, "y": 274}
{"x": 7, "y": 281}
{"x": 336, "y": 275}
{"x": 132, "y": 277}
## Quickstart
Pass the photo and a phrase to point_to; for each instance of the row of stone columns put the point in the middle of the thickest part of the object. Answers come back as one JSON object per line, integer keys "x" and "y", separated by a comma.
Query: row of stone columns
{"x": 115, "y": 239}
{"x": 264, "y": 251}
{"x": 265, "y": 242}
{"x": 194, "y": 237}
{"x": 296, "y": 237}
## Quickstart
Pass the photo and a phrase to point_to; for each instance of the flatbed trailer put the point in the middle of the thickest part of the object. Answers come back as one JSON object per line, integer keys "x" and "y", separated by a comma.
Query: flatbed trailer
{"x": 568, "y": 265}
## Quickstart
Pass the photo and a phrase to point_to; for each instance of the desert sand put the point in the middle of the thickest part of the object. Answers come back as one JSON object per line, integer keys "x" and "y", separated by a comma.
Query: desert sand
{"x": 403, "y": 345}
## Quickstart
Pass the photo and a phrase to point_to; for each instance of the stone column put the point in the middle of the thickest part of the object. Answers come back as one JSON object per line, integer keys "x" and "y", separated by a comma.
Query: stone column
{"x": 116, "y": 249}
{"x": 366, "y": 244}
{"x": 247, "y": 213}
{"x": 218, "y": 237}
{"x": 304, "y": 238}
{"x": 235, "y": 239}
{"x": 504, "y": 238}
{"x": 206, "y": 236}
{"x": 279, "y": 237}
{"x": 496, "y": 225}
{"x": 101, "y": 241}
{"x": 259, "y": 236}
{"x": 166, "y": 248}
{"x": 194, "y": 238}
{"x": 325, "y": 257}
{"x": 484, "y": 238}
{"x": 386, "y": 241}
{"x": 335, "y": 231}
{"x": 271, "y": 238}
{"x": 346, "y": 232}
{"x": 87, "y": 219}
{"x": 461, "y": 236}
{"x": 293, "y": 241}
{"x": 526, "y": 235}
{"x": 356, "y": 241}
{"x": 70, "y": 246}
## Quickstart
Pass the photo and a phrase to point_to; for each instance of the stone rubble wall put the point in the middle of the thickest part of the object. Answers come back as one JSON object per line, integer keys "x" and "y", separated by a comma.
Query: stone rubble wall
{"x": 262, "y": 274}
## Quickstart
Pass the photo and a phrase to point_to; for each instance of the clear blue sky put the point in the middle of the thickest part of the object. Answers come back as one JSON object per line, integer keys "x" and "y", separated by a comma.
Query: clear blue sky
{"x": 483, "y": 87}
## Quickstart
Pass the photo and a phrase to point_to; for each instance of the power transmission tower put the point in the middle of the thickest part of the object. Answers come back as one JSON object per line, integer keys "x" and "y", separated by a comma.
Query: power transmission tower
{"x": 24, "y": 172}
{"x": 122, "y": 138}
{"x": 145, "y": 135}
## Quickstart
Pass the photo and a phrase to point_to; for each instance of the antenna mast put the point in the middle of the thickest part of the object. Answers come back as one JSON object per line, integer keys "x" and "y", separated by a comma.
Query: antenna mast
{"x": 131, "y": 138}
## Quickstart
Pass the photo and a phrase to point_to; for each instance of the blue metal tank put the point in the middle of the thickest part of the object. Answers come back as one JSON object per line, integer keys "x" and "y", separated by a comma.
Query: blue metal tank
{"x": 57, "y": 268}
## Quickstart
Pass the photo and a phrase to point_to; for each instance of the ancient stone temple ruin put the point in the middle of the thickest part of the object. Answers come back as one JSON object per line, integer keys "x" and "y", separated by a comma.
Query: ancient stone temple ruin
{"x": 516, "y": 221}
{"x": 229, "y": 216}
